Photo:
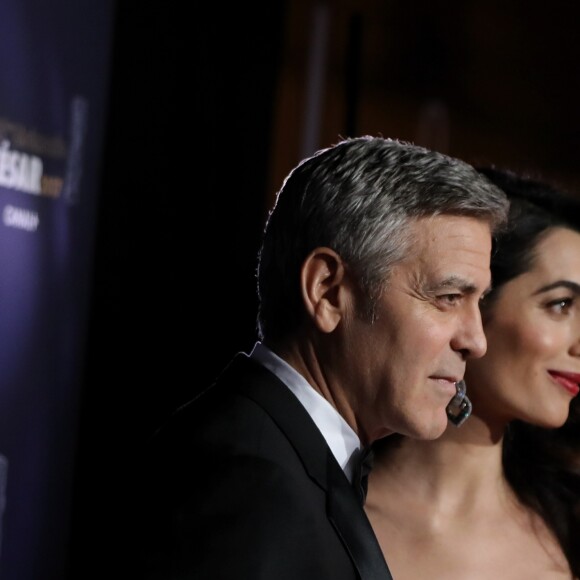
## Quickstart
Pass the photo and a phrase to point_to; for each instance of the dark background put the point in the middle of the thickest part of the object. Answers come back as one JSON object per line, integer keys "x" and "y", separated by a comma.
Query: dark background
{"x": 180, "y": 219}
{"x": 208, "y": 111}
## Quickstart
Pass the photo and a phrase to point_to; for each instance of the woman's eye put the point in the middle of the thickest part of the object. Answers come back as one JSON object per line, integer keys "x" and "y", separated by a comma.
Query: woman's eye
{"x": 560, "y": 306}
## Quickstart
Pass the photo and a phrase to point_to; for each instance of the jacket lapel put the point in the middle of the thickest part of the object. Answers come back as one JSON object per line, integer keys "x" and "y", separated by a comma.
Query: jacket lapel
{"x": 346, "y": 515}
{"x": 352, "y": 525}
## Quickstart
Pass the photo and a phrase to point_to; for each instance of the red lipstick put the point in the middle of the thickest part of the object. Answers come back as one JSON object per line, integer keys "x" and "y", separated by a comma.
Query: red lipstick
{"x": 570, "y": 381}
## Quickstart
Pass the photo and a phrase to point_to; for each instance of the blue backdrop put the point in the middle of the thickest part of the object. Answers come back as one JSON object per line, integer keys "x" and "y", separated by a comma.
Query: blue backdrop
{"x": 53, "y": 88}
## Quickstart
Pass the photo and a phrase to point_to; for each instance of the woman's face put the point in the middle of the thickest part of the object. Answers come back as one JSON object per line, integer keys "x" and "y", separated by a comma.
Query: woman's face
{"x": 531, "y": 370}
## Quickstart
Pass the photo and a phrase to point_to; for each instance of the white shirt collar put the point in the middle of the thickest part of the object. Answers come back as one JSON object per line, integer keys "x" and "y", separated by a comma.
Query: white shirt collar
{"x": 339, "y": 435}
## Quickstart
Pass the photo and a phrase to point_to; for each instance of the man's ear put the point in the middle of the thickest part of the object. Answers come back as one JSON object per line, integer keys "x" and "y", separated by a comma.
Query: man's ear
{"x": 322, "y": 283}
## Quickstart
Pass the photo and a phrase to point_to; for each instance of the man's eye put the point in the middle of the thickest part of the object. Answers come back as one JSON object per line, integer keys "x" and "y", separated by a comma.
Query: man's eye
{"x": 450, "y": 298}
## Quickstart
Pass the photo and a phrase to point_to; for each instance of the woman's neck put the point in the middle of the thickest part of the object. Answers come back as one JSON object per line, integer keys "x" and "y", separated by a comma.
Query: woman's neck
{"x": 457, "y": 473}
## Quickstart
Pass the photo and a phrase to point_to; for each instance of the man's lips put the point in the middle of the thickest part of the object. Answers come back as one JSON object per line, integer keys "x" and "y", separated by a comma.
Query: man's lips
{"x": 448, "y": 378}
{"x": 447, "y": 382}
{"x": 570, "y": 381}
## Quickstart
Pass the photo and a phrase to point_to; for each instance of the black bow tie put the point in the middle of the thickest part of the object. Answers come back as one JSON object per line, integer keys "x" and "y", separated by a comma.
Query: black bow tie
{"x": 361, "y": 473}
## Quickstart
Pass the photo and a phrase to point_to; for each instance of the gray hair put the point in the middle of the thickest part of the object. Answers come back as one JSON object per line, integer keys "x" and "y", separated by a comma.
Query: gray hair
{"x": 358, "y": 198}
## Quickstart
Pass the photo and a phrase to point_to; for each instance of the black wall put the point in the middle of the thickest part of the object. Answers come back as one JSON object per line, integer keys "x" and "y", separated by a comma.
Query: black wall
{"x": 182, "y": 207}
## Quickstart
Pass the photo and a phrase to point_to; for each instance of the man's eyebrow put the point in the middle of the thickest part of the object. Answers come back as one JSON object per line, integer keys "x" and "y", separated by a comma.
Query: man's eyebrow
{"x": 575, "y": 287}
{"x": 459, "y": 283}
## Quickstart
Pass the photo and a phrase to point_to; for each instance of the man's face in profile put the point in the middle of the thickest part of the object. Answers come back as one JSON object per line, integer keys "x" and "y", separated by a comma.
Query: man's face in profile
{"x": 427, "y": 324}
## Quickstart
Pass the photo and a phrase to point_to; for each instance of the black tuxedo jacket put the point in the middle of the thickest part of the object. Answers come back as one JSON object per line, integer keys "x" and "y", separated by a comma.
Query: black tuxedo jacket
{"x": 241, "y": 485}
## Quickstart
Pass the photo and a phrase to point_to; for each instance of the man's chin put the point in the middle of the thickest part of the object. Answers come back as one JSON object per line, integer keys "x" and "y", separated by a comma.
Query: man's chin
{"x": 430, "y": 430}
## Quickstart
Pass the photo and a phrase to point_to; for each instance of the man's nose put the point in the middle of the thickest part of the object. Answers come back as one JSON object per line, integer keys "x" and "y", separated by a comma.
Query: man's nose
{"x": 470, "y": 338}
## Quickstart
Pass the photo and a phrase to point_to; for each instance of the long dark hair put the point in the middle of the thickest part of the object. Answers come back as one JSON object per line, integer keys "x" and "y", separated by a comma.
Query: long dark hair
{"x": 541, "y": 465}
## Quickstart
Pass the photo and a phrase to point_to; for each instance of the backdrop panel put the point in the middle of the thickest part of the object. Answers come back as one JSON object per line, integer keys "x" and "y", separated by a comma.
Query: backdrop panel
{"x": 53, "y": 85}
